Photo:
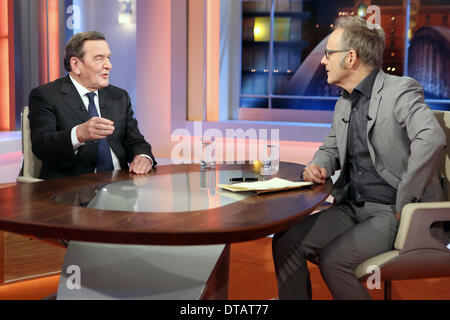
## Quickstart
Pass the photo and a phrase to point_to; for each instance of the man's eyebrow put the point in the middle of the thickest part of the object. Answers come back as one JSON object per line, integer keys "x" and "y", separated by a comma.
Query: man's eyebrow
{"x": 102, "y": 55}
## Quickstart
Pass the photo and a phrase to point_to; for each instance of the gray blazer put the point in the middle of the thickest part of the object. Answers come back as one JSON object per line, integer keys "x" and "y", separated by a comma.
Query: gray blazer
{"x": 404, "y": 138}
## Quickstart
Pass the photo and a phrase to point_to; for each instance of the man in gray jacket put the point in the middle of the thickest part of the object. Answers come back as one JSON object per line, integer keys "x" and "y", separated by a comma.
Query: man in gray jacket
{"x": 387, "y": 144}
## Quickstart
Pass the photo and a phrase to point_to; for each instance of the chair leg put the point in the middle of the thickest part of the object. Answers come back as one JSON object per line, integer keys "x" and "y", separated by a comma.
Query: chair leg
{"x": 387, "y": 290}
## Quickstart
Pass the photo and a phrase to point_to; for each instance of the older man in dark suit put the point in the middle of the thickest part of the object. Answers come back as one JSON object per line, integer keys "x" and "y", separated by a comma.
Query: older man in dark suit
{"x": 81, "y": 123}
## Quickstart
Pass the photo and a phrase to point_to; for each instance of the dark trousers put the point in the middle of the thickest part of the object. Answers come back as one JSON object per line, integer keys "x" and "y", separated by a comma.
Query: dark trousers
{"x": 337, "y": 239}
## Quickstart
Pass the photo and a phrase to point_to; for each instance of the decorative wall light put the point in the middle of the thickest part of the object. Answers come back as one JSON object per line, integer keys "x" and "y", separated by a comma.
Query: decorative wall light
{"x": 261, "y": 29}
{"x": 126, "y": 11}
{"x": 362, "y": 10}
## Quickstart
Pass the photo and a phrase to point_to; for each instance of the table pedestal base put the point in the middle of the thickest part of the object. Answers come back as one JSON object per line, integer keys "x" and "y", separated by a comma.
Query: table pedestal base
{"x": 110, "y": 271}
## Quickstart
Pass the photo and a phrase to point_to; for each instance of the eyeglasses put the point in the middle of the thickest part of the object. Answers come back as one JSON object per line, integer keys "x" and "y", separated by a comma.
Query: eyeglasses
{"x": 328, "y": 52}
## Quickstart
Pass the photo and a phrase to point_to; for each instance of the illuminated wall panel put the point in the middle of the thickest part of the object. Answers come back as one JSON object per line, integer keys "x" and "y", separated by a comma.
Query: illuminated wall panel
{"x": 49, "y": 51}
{"x": 7, "y": 65}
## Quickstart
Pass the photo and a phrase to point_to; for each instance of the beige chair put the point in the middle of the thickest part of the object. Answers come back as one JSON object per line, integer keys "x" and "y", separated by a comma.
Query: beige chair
{"x": 31, "y": 165}
{"x": 421, "y": 248}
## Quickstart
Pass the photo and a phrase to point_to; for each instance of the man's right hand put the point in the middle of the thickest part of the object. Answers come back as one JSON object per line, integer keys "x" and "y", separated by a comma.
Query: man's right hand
{"x": 95, "y": 128}
{"x": 315, "y": 173}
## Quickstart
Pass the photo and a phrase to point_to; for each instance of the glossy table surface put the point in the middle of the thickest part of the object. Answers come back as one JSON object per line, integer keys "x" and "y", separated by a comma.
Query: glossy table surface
{"x": 173, "y": 205}
{"x": 177, "y": 192}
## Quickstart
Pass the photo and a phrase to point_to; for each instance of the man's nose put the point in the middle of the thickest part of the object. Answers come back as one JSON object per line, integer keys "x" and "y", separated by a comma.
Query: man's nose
{"x": 324, "y": 60}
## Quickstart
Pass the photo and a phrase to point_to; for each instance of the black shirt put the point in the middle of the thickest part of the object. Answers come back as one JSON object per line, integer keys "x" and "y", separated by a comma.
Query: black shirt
{"x": 365, "y": 184}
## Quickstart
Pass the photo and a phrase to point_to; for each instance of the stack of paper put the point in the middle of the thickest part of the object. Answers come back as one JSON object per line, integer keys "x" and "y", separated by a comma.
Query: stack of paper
{"x": 274, "y": 184}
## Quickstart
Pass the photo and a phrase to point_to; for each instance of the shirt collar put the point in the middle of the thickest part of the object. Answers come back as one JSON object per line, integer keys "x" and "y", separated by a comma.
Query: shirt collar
{"x": 82, "y": 91}
{"x": 364, "y": 87}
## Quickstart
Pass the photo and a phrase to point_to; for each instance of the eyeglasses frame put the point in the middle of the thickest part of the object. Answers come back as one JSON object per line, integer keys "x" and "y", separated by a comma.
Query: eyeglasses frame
{"x": 328, "y": 52}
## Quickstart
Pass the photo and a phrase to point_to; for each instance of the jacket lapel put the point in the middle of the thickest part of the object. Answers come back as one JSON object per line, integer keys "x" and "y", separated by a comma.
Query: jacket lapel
{"x": 106, "y": 110}
{"x": 373, "y": 110}
{"x": 375, "y": 99}
{"x": 342, "y": 128}
{"x": 73, "y": 100}
{"x": 105, "y": 105}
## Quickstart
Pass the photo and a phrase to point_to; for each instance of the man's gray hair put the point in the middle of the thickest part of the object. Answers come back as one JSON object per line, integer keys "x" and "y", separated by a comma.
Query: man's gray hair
{"x": 367, "y": 42}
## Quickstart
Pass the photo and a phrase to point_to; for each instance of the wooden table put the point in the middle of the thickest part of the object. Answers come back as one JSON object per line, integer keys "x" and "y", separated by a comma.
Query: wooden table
{"x": 53, "y": 209}
{"x": 31, "y": 209}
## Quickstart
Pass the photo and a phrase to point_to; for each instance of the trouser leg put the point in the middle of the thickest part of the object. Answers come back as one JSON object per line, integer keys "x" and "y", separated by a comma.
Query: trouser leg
{"x": 305, "y": 240}
{"x": 372, "y": 235}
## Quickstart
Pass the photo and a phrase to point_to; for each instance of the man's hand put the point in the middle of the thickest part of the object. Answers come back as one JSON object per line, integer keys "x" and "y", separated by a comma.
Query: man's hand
{"x": 398, "y": 215}
{"x": 95, "y": 128}
{"x": 140, "y": 165}
{"x": 314, "y": 173}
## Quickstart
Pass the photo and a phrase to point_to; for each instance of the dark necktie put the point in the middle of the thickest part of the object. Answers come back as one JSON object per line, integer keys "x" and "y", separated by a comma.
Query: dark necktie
{"x": 104, "y": 160}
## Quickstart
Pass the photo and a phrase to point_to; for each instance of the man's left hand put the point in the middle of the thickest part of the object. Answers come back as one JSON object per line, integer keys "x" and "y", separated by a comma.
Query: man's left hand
{"x": 140, "y": 165}
{"x": 398, "y": 215}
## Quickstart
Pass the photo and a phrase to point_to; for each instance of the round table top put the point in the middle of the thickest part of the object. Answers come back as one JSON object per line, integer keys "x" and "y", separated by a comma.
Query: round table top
{"x": 66, "y": 208}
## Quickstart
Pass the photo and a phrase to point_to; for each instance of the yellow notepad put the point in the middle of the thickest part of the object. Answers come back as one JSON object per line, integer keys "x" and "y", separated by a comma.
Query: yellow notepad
{"x": 274, "y": 184}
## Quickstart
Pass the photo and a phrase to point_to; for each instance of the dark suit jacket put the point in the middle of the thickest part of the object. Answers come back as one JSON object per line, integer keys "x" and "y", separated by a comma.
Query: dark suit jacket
{"x": 55, "y": 108}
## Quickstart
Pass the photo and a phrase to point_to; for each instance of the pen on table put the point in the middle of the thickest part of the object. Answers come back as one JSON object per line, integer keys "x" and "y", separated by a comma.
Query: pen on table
{"x": 244, "y": 179}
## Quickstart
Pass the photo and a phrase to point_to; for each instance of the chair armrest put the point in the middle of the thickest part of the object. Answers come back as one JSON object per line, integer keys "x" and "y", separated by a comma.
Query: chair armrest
{"x": 414, "y": 229}
{"x": 28, "y": 179}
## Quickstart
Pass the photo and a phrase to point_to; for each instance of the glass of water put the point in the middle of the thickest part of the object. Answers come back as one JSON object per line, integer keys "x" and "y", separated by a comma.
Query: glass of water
{"x": 208, "y": 156}
{"x": 271, "y": 160}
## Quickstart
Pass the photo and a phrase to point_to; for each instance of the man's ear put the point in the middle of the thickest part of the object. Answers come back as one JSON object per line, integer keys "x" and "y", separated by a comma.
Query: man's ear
{"x": 74, "y": 64}
{"x": 352, "y": 58}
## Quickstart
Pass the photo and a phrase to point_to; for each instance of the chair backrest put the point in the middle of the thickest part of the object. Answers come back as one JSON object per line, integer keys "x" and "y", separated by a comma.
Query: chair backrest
{"x": 443, "y": 118}
{"x": 31, "y": 165}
